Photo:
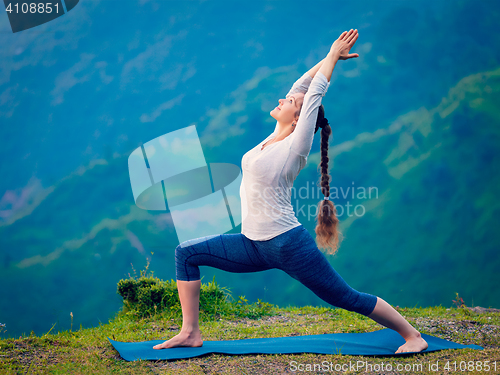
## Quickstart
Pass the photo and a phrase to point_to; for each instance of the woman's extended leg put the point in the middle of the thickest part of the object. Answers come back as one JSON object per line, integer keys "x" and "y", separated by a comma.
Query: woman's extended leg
{"x": 306, "y": 263}
{"x": 228, "y": 252}
{"x": 386, "y": 315}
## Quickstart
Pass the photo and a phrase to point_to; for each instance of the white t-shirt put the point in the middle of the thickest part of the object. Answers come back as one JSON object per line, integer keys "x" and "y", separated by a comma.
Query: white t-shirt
{"x": 268, "y": 174}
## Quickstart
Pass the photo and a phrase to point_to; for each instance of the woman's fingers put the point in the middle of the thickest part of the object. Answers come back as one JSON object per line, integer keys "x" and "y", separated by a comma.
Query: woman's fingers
{"x": 344, "y": 43}
{"x": 353, "y": 40}
{"x": 347, "y": 36}
{"x": 352, "y": 35}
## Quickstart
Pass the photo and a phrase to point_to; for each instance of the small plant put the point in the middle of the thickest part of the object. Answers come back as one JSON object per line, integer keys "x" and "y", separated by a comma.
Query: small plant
{"x": 242, "y": 300}
{"x": 459, "y": 302}
{"x": 146, "y": 296}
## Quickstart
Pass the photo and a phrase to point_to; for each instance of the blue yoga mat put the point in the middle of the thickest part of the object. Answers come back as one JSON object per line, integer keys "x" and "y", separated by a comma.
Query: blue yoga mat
{"x": 383, "y": 342}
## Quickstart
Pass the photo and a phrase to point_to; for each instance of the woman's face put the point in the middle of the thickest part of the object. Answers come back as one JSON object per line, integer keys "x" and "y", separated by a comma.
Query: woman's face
{"x": 286, "y": 111}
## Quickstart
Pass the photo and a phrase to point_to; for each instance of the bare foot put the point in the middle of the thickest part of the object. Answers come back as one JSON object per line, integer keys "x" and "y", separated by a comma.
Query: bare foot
{"x": 415, "y": 344}
{"x": 182, "y": 339}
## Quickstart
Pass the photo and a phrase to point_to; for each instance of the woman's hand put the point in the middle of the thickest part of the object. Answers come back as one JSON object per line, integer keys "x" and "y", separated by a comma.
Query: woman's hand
{"x": 344, "y": 43}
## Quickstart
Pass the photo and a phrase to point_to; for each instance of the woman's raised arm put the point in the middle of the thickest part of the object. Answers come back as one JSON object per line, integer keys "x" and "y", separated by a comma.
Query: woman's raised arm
{"x": 312, "y": 72}
{"x": 339, "y": 51}
{"x": 302, "y": 84}
{"x": 304, "y": 131}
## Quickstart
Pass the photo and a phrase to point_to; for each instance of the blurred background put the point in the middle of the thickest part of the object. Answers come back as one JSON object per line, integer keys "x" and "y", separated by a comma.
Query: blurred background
{"x": 415, "y": 116}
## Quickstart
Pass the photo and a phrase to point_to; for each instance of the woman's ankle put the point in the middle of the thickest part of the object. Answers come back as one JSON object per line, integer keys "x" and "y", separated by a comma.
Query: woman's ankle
{"x": 414, "y": 335}
{"x": 190, "y": 329}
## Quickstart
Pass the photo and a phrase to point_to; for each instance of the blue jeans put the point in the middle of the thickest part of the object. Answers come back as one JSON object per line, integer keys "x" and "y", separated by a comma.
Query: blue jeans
{"x": 294, "y": 252}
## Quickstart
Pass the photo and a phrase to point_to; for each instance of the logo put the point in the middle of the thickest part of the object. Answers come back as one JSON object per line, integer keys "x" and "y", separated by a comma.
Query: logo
{"x": 170, "y": 173}
{"x": 27, "y": 14}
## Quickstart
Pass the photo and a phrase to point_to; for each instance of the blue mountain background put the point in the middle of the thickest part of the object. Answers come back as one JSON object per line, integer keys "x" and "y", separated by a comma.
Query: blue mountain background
{"x": 415, "y": 116}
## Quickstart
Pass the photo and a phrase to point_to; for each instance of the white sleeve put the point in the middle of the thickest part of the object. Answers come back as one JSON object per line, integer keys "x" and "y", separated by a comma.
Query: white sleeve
{"x": 301, "y": 85}
{"x": 302, "y": 136}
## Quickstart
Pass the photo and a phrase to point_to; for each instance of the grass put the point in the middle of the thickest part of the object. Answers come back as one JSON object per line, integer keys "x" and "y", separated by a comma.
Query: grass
{"x": 88, "y": 351}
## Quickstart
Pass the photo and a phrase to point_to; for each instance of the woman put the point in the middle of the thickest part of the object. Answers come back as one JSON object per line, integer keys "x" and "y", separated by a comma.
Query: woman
{"x": 271, "y": 236}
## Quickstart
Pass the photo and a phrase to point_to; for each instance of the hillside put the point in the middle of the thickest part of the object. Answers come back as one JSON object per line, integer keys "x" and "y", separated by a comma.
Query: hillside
{"x": 427, "y": 232}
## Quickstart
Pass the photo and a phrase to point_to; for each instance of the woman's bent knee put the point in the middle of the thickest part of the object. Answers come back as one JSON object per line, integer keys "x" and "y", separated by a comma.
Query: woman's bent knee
{"x": 181, "y": 252}
{"x": 185, "y": 271}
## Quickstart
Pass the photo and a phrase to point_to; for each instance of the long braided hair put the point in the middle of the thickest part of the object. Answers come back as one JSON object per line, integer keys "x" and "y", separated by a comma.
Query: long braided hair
{"x": 327, "y": 228}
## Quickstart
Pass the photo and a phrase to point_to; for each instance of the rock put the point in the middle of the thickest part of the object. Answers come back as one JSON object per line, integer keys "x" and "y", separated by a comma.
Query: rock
{"x": 482, "y": 310}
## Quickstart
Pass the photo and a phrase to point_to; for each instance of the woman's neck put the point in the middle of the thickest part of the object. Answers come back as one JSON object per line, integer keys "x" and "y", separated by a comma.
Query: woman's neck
{"x": 283, "y": 132}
